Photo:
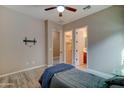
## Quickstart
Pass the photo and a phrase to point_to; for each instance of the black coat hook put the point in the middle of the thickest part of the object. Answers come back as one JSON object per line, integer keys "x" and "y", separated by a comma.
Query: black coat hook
{"x": 29, "y": 41}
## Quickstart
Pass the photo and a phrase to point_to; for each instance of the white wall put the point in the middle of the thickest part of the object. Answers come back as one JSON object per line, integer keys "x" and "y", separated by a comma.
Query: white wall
{"x": 14, "y": 55}
{"x": 105, "y": 38}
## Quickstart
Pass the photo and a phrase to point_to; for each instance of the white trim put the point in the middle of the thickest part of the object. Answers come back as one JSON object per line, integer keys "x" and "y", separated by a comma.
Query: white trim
{"x": 52, "y": 47}
{"x": 49, "y": 65}
{"x": 64, "y": 48}
{"x": 98, "y": 73}
{"x": 28, "y": 69}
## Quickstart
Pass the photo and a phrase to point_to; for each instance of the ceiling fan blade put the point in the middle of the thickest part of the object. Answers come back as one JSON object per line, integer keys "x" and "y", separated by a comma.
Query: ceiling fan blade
{"x": 60, "y": 14}
{"x": 70, "y": 9}
{"x": 49, "y": 8}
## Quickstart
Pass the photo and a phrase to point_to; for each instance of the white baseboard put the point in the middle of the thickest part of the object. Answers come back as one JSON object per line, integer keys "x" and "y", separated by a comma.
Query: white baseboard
{"x": 28, "y": 69}
{"x": 98, "y": 73}
{"x": 101, "y": 74}
{"x": 49, "y": 65}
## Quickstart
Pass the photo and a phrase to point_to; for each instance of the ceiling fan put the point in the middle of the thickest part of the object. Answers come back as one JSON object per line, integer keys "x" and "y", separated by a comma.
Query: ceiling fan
{"x": 61, "y": 8}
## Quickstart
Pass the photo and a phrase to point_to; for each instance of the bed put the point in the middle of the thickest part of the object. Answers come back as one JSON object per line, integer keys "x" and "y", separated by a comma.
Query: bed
{"x": 75, "y": 78}
{"x": 67, "y": 76}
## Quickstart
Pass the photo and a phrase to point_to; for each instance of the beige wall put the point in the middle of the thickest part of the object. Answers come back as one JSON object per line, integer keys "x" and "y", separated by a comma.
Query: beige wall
{"x": 14, "y": 55}
{"x": 105, "y": 38}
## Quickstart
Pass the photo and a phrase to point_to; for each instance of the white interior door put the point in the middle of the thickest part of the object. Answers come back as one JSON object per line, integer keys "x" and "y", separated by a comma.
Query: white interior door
{"x": 80, "y": 35}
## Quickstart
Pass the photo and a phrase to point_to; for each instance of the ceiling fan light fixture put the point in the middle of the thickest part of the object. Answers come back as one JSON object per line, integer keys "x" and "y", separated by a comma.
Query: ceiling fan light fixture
{"x": 60, "y": 8}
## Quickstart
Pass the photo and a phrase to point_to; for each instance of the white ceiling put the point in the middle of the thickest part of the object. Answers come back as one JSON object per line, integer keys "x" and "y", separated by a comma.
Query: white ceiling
{"x": 38, "y": 12}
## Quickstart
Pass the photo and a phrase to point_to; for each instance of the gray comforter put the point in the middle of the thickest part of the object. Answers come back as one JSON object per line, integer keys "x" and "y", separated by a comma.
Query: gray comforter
{"x": 75, "y": 78}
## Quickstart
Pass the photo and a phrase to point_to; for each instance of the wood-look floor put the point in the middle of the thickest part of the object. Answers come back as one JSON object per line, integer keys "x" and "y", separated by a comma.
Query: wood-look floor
{"x": 27, "y": 79}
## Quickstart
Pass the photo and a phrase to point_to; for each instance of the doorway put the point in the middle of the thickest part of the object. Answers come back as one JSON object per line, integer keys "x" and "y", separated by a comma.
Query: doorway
{"x": 56, "y": 47}
{"x": 81, "y": 47}
{"x": 68, "y": 47}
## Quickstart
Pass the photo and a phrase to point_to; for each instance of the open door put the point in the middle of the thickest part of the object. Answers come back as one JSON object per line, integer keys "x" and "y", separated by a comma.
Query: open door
{"x": 68, "y": 47}
{"x": 56, "y": 47}
{"x": 81, "y": 47}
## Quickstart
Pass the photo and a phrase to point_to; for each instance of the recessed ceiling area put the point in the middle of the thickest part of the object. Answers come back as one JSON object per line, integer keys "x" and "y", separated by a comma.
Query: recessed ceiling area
{"x": 37, "y": 11}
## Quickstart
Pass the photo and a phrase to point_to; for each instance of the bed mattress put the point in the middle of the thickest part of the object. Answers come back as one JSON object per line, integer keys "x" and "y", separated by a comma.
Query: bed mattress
{"x": 75, "y": 78}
